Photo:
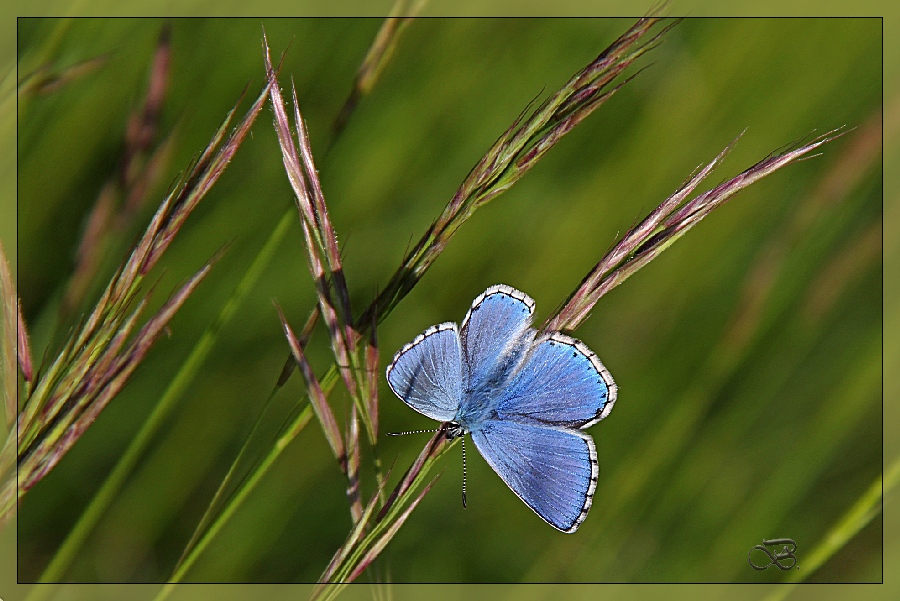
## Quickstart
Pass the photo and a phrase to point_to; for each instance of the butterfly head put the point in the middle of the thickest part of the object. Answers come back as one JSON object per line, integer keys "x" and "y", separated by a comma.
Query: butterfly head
{"x": 454, "y": 430}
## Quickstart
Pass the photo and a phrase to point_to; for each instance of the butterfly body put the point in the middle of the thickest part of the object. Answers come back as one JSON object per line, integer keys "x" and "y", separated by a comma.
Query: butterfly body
{"x": 523, "y": 395}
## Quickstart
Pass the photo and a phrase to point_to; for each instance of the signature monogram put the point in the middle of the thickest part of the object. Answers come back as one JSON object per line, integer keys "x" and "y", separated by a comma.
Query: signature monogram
{"x": 784, "y": 559}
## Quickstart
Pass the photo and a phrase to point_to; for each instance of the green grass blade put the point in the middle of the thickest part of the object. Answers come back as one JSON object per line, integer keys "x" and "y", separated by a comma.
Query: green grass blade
{"x": 857, "y": 517}
{"x": 207, "y": 515}
{"x": 235, "y": 503}
{"x": 189, "y": 369}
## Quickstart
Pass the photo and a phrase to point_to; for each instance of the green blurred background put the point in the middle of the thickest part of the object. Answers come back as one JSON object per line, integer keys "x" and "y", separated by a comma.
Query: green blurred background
{"x": 702, "y": 457}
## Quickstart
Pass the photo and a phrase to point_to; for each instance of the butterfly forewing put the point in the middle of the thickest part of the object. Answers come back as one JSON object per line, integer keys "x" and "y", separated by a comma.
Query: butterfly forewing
{"x": 492, "y": 334}
{"x": 552, "y": 469}
{"x": 561, "y": 383}
{"x": 427, "y": 373}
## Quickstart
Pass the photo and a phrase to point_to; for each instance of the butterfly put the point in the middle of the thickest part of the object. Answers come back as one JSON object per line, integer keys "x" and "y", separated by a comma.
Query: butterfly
{"x": 524, "y": 396}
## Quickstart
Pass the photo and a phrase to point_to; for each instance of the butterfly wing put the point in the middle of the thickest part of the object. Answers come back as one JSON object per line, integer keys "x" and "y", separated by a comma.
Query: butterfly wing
{"x": 531, "y": 440}
{"x": 553, "y": 470}
{"x": 495, "y": 333}
{"x": 561, "y": 382}
{"x": 427, "y": 373}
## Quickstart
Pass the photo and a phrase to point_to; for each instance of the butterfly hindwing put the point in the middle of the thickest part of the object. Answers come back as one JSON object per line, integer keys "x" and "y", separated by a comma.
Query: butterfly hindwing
{"x": 553, "y": 470}
{"x": 561, "y": 382}
{"x": 427, "y": 373}
{"x": 495, "y": 333}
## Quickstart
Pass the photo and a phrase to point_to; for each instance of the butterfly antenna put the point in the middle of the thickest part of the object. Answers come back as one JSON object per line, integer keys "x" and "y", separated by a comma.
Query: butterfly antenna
{"x": 411, "y": 432}
{"x": 464, "y": 471}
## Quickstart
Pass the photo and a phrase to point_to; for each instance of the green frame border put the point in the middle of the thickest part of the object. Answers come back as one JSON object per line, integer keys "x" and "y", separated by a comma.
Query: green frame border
{"x": 11, "y": 591}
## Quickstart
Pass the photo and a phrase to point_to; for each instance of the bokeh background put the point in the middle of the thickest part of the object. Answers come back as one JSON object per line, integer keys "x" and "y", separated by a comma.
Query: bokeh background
{"x": 734, "y": 423}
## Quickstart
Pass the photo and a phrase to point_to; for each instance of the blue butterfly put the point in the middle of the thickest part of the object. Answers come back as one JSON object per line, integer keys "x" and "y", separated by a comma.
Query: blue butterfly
{"x": 524, "y": 396}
